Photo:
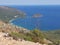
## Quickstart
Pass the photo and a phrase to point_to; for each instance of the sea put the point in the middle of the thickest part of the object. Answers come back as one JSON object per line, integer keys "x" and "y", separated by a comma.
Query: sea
{"x": 49, "y": 19}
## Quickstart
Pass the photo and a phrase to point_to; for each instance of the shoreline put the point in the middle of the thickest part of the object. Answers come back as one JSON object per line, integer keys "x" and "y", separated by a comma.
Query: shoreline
{"x": 10, "y": 22}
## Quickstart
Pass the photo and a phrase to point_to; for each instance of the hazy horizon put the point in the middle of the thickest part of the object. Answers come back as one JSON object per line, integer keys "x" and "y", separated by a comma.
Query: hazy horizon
{"x": 30, "y": 2}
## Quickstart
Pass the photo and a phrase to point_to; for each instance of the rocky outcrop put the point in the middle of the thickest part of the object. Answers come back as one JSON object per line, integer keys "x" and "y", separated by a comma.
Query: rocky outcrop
{"x": 10, "y": 41}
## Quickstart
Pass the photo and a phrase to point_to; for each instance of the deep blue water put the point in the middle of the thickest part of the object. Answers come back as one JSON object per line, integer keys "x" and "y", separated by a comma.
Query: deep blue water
{"x": 50, "y": 19}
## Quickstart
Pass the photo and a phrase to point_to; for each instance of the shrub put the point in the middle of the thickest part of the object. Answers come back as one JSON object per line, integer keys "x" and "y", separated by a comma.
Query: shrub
{"x": 34, "y": 35}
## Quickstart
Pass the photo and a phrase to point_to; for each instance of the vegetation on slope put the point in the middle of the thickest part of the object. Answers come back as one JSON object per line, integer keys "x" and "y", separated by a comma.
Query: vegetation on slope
{"x": 7, "y": 13}
{"x": 22, "y": 33}
{"x": 53, "y": 35}
{"x": 34, "y": 35}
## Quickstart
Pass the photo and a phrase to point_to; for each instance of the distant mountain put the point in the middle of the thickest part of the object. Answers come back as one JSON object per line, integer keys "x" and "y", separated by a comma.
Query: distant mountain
{"x": 7, "y": 13}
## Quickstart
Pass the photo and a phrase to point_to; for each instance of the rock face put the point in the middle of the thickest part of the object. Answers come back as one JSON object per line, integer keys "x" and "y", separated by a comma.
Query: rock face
{"x": 10, "y": 41}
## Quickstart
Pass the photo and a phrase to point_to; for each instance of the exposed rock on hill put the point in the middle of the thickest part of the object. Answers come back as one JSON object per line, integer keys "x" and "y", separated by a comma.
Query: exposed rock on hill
{"x": 10, "y": 41}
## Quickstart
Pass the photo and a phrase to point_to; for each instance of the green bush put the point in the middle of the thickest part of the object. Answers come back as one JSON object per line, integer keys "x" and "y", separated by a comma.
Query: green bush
{"x": 50, "y": 44}
{"x": 34, "y": 35}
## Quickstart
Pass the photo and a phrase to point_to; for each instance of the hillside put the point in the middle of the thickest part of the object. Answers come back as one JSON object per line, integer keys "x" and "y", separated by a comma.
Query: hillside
{"x": 10, "y": 41}
{"x": 8, "y": 13}
{"x": 53, "y": 35}
{"x": 34, "y": 36}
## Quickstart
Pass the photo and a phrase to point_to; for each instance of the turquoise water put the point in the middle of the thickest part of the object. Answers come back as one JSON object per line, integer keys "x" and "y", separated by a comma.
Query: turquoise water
{"x": 50, "y": 19}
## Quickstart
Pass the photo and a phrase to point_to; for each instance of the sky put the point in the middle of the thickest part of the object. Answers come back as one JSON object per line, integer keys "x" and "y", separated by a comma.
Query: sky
{"x": 29, "y": 2}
